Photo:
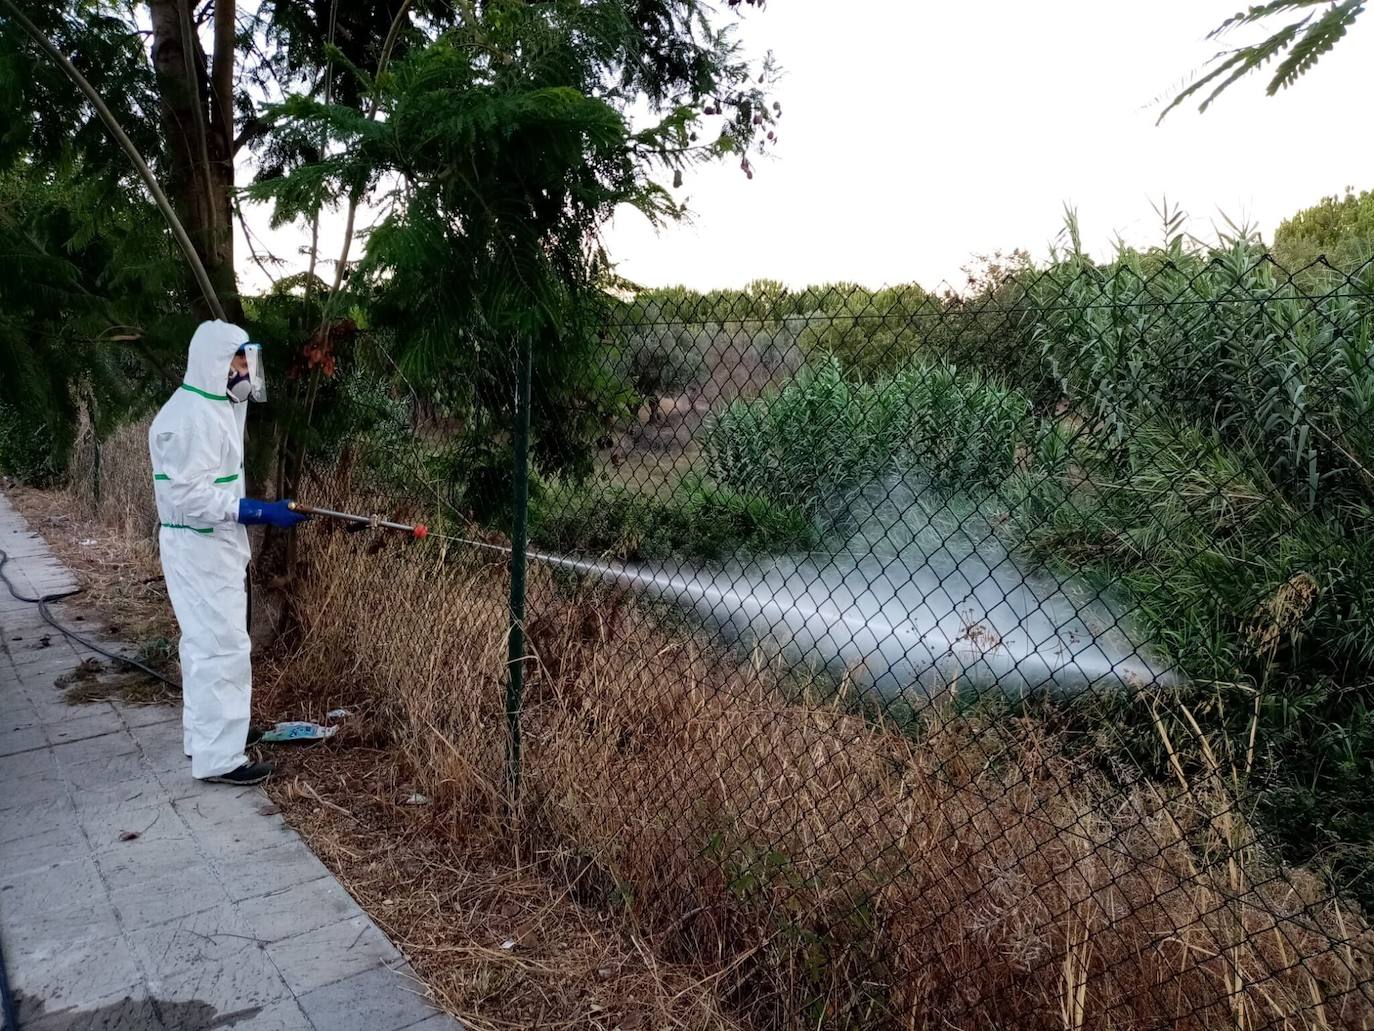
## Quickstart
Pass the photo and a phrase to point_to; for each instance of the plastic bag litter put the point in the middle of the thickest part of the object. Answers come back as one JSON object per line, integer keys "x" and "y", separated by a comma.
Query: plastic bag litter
{"x": 296, "y": 730}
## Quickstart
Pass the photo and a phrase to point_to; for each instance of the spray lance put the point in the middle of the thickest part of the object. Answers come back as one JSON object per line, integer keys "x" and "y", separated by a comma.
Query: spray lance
{"x": 361, "y": 522}
{"x": 422, "y": 532}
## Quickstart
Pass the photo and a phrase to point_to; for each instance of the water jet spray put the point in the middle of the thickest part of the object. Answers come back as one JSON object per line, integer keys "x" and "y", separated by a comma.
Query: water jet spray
{"x": 910, "y": 624}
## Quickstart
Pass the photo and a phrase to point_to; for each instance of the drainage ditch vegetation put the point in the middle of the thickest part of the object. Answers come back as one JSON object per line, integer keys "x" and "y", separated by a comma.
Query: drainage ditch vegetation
{"x": 901, "y": 660}
{"x": 984, "y": 660}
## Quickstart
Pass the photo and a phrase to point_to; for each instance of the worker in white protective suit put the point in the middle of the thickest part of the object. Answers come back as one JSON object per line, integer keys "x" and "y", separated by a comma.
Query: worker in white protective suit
{"x": 196, "y": 444}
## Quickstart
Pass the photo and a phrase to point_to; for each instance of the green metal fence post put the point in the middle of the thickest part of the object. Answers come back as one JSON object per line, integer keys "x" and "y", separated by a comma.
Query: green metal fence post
{"x": 520, "y": 448}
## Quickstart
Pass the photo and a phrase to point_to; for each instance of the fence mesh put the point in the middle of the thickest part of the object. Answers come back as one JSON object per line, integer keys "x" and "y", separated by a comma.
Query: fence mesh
{"x": 990, "y": 659}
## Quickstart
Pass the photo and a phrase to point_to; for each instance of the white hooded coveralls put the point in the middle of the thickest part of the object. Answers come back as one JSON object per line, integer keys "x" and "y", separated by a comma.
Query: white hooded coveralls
{"x": 196, "y": 444}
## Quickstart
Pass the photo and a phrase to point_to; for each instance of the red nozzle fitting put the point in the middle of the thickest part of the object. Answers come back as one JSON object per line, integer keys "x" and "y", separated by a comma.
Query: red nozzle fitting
{"x": 421, "y": 531}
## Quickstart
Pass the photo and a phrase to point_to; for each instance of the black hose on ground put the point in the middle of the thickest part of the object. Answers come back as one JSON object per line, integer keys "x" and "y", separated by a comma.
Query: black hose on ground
{"x": 42, "y": 603}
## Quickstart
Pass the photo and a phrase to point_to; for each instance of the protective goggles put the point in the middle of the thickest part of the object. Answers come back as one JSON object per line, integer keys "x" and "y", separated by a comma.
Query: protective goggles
{"x": 251, "y": 386}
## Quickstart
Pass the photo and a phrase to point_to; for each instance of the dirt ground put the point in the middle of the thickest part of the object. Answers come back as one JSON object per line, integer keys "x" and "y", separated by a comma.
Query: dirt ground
{"x": 121, "y": 578}
{"x": 122, "y": 596}
{"x": 498, "y": 944}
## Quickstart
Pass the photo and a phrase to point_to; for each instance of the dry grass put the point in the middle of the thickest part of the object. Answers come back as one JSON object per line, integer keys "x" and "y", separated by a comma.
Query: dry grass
{"x": 112, "y": 480}
{"x": 122, "y": 594}
{"x": 497, "y": 941}
{"x": 104, "y": 528}
{"x": 98, "y": 681}
{"x": 816, "y": 869}
{"x": 695, "y": 850}
{"x": 451, "y": 901}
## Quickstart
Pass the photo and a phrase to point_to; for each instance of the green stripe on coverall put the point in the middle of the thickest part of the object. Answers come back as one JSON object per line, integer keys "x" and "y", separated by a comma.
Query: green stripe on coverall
{"x": 218, "y": 479}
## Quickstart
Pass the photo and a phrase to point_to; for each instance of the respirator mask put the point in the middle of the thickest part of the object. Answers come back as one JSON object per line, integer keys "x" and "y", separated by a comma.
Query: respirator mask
{"x": 252, "y": 384}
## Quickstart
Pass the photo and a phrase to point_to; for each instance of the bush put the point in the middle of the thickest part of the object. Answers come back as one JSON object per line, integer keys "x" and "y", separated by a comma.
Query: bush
{"x": 1226, "y": 341}
{"x": 825, "y": 436}
{"x": 697, "y": 521}
{"x": 871, "y": 333}
{"x": 27, "y": 450}
{"x": 1340, "y": 230}
{"x": 1265, "y": 604}
{"x": 662, "y": 356}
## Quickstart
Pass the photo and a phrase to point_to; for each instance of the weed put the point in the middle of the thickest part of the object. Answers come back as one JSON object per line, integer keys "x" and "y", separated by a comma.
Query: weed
{"x": 829, "y": 870}
{"x": 693, "y": 520}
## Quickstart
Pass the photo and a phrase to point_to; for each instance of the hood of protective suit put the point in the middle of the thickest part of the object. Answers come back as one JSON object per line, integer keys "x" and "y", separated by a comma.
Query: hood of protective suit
{"x": 212, "y": 349}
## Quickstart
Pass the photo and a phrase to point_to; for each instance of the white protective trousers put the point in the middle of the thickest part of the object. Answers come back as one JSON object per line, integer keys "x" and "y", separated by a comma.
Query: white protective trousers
{"x": 196, "y": 445}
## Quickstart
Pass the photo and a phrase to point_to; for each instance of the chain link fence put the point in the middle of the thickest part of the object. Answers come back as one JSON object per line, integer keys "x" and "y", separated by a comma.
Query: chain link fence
{"x": 991, "y": 659}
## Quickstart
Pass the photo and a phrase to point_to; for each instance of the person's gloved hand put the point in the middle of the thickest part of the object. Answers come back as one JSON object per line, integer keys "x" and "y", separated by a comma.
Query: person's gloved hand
{"x": 253, "y": 512}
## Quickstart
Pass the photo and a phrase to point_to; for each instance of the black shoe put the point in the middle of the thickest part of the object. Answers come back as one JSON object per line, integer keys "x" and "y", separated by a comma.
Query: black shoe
{"x": 254, "y": 736}
{"x": 247, "y": 774}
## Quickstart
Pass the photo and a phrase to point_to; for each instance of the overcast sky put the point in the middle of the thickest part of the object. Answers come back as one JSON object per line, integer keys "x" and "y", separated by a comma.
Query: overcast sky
{"x": 916, "y": 134}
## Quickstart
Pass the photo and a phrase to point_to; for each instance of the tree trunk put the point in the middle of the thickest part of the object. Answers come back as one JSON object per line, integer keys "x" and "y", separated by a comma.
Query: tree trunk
{"x": 198, "y": 114}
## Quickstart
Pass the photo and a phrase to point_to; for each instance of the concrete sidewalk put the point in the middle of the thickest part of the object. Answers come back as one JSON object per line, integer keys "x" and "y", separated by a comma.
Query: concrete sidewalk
{"x": 135, "y": 898}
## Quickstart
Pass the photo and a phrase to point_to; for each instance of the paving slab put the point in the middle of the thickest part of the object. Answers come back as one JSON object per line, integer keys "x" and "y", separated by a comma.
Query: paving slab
{"x": 92, "y": 769}
{"x": 133, "y": 794}
{"x": 64, "y": 929}
{"x": 137, "y": 716}
{"x": 134, "y": 898}
{"x": 86, "y": 738}
{"x": 129, "y": 864}
{"x": 267, "y": 869}
{"x": 131, "y": 1009}
{"x": 71, "y": 975}
{"x": 33, "y": 811}
{"x": 40, "y": 683}
{"x": 38, "y": 851}
{"x": 30, "y": 776}
{"x": 117, "y": 826}
{"x": 331, "y": 953}
{"x": 297, "y": 910}
{"x": 95, "y": 721}
{"x": 209, "y": 937}
{"x": 437, "y": 1022}
{"x": 21, "y": 737}
{"x": 28, "y": 897}
{"x": 182, "y": 892}
{"x": 373, "y": 1001}
{"x": 39, "y": 648}
{"x": 284, "y": 1015}
{"x": 239, "y": 979}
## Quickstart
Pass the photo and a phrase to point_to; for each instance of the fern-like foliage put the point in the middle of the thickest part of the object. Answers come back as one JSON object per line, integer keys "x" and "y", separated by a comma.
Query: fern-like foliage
{"x": 90, "y": 307}
{"x": 500, "y": 148}
{"x": 42, "y": 118}
{"x": 1297, "y": 46}
{"x": 90, "y": 284}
